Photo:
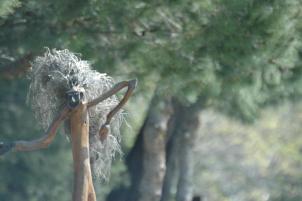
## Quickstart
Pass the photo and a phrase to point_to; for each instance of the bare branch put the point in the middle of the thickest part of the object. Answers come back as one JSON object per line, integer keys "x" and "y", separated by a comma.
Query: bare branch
{"x": 39, "y": 143}
{"x": 131, "y": 86}
{"x": 116, "y": 88}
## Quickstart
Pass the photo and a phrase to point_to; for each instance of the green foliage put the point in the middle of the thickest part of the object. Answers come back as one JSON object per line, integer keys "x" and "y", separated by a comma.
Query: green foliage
{"x": 7, "y": 7}
{"x": 238, "y": 54}
{"x": 242, "y": 55}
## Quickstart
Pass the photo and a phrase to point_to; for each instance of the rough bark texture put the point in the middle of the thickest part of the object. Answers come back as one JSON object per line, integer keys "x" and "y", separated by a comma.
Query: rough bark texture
{"x": 83, "y": 189}
{"x": 154, "y": 139}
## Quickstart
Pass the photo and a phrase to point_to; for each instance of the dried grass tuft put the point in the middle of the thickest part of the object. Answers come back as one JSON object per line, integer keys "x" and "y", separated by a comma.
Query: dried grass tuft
{"x": 50, "y": 75}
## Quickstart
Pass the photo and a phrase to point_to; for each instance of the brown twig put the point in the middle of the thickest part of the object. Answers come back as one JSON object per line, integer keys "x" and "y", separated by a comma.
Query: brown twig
{"x": 39, "y": 143}
{"x": 131, "y": 86}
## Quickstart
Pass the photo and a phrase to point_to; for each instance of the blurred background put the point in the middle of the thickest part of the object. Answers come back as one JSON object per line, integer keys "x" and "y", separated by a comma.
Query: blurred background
{"x": 216, "y": 115}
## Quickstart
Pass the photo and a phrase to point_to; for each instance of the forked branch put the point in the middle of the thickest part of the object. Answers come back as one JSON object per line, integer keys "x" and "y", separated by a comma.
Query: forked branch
{"x": 39, "y": 143}
{"x": 131, "y": 86}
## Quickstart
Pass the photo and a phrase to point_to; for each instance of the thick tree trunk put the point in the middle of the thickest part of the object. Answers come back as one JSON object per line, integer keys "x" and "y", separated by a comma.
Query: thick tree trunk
{"x": 146, "y": 183}
{"x": 154, "y": 139}
{"x": 186, "y": 166}
{"x": 154, "y": 145}
{"x": 170, "y": 178}
{"x": 134, "y": 162}
{"x": 83, "y": 189}
{"x": 180, "y": 160}
{"x": 188, "y": 126}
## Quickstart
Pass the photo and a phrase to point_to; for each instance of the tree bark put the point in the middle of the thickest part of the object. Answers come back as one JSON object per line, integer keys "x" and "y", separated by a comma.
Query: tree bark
{"x": 189, "y": 123}
{"x": 170, "y": 178}
{"x": 147, "y": 153}
{"x": 154, "y": 139}
{"x": 163, "y": 137}
{"x": 83, "y": 189}
{"x": 180, "y": 160}
{"x": 186, "y": 162}
{"x": 134, "y": 163}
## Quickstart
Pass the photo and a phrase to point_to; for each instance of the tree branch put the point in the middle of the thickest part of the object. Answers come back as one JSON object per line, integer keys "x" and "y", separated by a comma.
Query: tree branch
{"x": 39, "y": 143}
{"x": 131, "y": 86}
{"x": 16, "y": 68}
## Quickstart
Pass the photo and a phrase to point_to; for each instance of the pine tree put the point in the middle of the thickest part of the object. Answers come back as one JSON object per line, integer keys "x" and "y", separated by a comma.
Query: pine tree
{"x": 239, "y": 56}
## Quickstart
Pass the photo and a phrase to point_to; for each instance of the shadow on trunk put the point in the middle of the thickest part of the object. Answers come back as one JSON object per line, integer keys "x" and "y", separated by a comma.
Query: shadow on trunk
{"x": 161, "y": 160}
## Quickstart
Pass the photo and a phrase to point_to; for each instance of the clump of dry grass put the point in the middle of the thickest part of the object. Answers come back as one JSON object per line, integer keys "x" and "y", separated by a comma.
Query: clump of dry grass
{"x": 50, "y": 76}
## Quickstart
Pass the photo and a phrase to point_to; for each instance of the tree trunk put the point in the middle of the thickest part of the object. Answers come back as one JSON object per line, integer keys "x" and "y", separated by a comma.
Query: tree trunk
{"x": 188, "y": 127}
{"x": 186, "y": 165}
{"x": 154, "y": 139}
{"x": 180, "y": 160}
{"x": 83, "y": 189}
{"x": 146, "y": 184}
{"x": 134, "y": 162}
{"x": 159, "y": 141}
{"x": 170, "y": 178}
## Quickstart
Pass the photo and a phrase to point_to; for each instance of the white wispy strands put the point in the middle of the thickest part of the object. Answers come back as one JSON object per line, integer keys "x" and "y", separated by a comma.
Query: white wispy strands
{"x": 50, "y": 75}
